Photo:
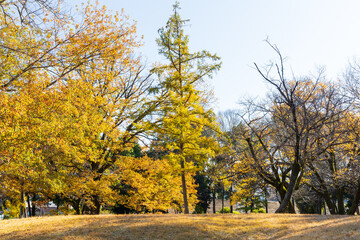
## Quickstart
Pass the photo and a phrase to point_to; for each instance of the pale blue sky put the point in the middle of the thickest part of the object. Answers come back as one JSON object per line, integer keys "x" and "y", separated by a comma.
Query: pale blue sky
{"x": 309, "y": 33}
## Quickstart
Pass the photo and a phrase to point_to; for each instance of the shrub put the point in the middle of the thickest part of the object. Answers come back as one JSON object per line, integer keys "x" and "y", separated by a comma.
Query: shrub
{"x": 105, "y": 211}
{"x": 259, "y": 210}
{"x": 225, "y": 210}
{"x": 198, "y": 209}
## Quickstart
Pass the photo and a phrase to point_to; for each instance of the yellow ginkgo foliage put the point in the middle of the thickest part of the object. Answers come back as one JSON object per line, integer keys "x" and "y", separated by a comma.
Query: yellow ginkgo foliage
{"x": 73, "y": 99}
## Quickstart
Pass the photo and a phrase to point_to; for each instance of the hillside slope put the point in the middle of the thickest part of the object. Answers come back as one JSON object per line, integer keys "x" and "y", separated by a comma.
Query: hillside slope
{"x": 217, "y": 226}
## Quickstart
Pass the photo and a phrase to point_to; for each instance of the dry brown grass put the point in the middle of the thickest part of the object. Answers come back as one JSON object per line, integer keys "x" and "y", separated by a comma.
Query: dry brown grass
{"x": 217, "y": 226}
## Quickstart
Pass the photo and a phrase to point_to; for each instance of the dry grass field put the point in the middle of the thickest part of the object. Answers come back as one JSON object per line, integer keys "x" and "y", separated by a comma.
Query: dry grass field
{"x": 217, "y": 226}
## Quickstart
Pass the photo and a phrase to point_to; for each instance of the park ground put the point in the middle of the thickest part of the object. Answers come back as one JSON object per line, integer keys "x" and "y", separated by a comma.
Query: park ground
{"x": 178, "y": 226}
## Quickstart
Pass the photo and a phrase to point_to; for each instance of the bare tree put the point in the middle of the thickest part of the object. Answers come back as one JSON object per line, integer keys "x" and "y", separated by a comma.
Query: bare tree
{"x": 282, "y": 133}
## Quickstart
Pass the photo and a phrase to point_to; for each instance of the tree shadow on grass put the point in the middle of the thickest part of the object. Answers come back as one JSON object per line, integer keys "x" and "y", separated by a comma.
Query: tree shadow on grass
{"x": 325, "y": 227}
{"x": 141, "y": 229}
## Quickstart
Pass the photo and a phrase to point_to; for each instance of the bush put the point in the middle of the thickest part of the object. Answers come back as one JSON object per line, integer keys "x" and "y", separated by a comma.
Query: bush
{"x": 225, "y": 210}
{"x": 259, "y": 210}
{"x": 199, "y": 209}
{"x": 105, "y": 211}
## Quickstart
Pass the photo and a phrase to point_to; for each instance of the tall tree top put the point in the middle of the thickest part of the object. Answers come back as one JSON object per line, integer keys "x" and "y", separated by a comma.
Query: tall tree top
{"x": 184, "y": 67}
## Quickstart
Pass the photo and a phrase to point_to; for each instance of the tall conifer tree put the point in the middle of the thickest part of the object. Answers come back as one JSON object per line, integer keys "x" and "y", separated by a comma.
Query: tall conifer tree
{"x": 184, "y": 117}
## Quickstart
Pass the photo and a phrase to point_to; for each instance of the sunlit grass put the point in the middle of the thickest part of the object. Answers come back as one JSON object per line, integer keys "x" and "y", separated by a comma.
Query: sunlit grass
{"x": 226, "y": 226}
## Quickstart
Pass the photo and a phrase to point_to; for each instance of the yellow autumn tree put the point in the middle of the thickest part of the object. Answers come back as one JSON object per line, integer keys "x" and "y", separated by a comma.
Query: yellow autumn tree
{"x": 108, "y": 104}
{"x": 151, "y": 186}
{"x": 183, "y": 116}
{"x": 72, "y": 100}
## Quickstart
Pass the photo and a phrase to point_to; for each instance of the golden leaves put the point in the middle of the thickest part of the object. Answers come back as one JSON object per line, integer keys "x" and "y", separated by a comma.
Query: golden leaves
{"x": 72, "y": 102}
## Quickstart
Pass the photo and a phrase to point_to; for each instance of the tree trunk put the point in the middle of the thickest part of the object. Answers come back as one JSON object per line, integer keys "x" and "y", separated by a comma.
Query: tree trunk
{"x": 266, "y": 206}
{"x": 340, "y": 198}
{"x": 214, "y": 199}
{"x": 282, "y": 192}
{"x": 97, "y": 205}
{"x": 354, "y": 206}
{"x": 22, "y": 205}
{"x": 33, "y": 209}
{"x": 252, "y": 205}
{"x": 319, "y": 205}
{"x": 184, "y": 190}
{"x": 329, "y": 203}
{"x": 230, "y": 195}
{"x": 222, "y": 199}
{"x": 325, "y": 194}
{"x": 29, "y": 206}
{"x": 291, "y": 207}
{"x": 289, "y": 191}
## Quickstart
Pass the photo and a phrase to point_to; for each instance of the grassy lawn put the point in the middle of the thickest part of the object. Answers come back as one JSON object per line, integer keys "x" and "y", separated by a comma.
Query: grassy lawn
{"x": 217, "y": 226}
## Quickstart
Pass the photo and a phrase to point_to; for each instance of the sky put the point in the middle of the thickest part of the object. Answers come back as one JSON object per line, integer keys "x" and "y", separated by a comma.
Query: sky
{"x": 309, "y": 33}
